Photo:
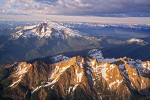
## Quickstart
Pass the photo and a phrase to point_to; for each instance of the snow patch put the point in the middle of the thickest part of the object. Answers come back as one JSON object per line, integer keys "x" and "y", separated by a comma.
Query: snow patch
{"x": 121, "y": 67}
{"x": 29, "y": 27}
{"x": 56, "y": 74}
{"x": 92, "y": 63}
{"x": 103, "y": 70}
{"x": 143, "y": 85}
{"x": 59, "y": 58}
{"x": 37, "y": 88}
{"x": 72, "y": 89}
{"x": 112, "y": 66}
{"x": 22, "y": 68}
{"x": 115, "y": 84}
{"x": 80, "y": 64}
{"x": 96, "y": 54}
{"x": 146, "y": 65}
{"x": 75, "y": 87}
{"x": 53, "y": 78}
{"x": 88, "y": 72}
{"x": 79, "y": 75}
{"x": 135, "y": 40}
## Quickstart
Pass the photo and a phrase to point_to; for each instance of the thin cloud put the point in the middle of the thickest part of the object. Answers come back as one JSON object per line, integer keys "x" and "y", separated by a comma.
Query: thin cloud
{"x": 78, "y": 7}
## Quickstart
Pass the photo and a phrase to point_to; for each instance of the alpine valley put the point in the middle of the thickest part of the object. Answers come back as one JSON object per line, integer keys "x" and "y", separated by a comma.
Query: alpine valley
{"x": 74, "y": 61}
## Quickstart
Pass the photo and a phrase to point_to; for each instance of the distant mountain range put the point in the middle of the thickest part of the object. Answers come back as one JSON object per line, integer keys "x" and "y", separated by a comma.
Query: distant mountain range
{"x": 92, "y": 77}
{"x": 26, "y": 42}
{"x": 41, "y": 40}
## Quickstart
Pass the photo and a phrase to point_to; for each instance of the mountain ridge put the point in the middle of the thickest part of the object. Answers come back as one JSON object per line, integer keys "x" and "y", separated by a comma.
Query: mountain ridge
{"x": 93, "y": 78}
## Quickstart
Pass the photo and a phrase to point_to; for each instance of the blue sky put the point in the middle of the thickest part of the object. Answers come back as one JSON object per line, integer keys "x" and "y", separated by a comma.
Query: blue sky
{"x": 119, "y": 8}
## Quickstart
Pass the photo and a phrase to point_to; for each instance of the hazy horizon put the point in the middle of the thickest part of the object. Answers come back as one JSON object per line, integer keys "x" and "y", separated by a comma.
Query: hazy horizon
{"x": 115, "y": 20}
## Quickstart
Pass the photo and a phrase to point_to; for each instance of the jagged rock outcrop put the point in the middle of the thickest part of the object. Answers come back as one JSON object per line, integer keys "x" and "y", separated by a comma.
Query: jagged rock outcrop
{"x": 80, "y": 78}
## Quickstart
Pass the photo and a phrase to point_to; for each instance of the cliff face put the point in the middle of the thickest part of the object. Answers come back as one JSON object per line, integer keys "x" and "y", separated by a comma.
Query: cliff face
{"x": 88, "y": 78}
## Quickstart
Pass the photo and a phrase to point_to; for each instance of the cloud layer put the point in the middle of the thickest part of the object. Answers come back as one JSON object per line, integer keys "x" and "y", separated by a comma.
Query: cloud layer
{"x": 77, "y": 7}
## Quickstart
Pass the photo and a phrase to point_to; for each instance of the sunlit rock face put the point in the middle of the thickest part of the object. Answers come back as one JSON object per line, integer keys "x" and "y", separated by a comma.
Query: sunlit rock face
{"x": 81, "y": 78}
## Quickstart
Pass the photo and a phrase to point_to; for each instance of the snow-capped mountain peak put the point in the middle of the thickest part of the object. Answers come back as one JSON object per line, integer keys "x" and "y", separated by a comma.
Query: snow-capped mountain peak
{"x": 59, "y": 58}
{"x": 45, "y": 30}
{"x": 135, "y": 40}
{"x": 97, "y": 54}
